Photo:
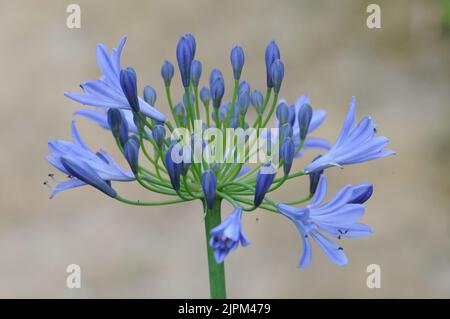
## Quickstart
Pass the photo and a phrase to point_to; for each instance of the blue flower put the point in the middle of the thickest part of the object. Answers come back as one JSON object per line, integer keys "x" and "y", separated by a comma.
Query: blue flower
{"x": 131, "y": 153}
{"x": 106, "y": 92}
{"x": 228, "y": 235}
{"x": 338, "y": 218}
{"x": 79, "y": 153}
{"x": 277, "y": 74}
{"x": 355, "y": 144}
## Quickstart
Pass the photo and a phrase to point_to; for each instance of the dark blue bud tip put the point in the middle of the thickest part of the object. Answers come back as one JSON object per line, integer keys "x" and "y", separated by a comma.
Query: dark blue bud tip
{"x": 237, "y": 58}
{"x": 128, "y": 83}
{"x": 167, "y": 72}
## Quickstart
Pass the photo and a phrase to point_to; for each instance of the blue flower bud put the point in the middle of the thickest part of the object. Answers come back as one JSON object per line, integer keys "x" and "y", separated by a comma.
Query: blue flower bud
{"x": 115, "y": 121}
{"x": 304, "y": 119}
{"x": 215, "y": 74}
{"x": 243, "y": 102}
{"x": 173, "y": 169}
{"x": 244, "y": 87}
{"x": 291, "y": 116}
{"x": 180, "y": 114}
{"x": 159, "y": 134}
{"x": 257, "y": 100}
{"x": 264, "y": 180}
{"x": 217, "y": 91}
{"x": 272, "y": 54}
{"x": 287, "y": 152}
{"x": 234, "y": 122}
{"x": 277, "y": 73}
{"x": 223, "y": 112}
{"x": 131, "y": 152}
{"x": 87, "y": 174}
{"x": 196, "y": 72}
{"x": 167, "y": 72}
{"x": 282, "y": 113}
{"x": 314, "y": 178}
{"x": 361, "y": 193}
{"x": 149, "y": 95}
{"x": 123, "y": 133}
{"x": 205, "y": 96}
{"x": 237, "y": 58}
{"x": 184, "y": 58}
{"x": 192, "y": 43}
{"x": 209, "y": 188}
{"x": 128, "y": 83}
{"x": 286, "y": 131}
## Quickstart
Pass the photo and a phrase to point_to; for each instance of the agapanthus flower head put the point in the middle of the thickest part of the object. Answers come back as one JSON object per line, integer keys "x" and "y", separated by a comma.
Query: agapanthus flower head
{"x": 150, "y": 95}
{"x": 272, "y": 54}
{"x": 227, "y": 236}
{"x": 355, "y": 144}
{"x": 339, "y": 218}
{"x": 167, "y": 72}
{"x": 237, "y": 58}
{"x": 197, "y": 160}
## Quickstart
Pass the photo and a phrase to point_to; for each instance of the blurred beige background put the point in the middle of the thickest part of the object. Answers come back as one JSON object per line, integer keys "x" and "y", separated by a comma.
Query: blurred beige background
{"x": 400, "y": 75}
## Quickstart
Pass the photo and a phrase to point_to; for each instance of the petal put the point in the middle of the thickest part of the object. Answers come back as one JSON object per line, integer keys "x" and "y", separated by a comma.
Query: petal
{"x": 348, "y": 122}
{"x": 331, "y": 249}
{"x": 70, "y": 183}
{"x": 321, "y": 191}
{"x": 317, "y": 119}
{"x": 76, "y": 138}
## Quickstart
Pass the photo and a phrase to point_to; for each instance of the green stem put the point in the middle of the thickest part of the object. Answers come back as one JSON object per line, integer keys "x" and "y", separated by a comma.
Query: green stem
{"x": 216, "y": 271}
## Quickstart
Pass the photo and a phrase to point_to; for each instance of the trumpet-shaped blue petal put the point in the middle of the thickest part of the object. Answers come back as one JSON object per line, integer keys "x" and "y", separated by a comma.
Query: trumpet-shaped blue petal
{"x": 338, "y": 218}
{"x": 228, "y": 235}
{"x": 77, "y": 151}
{"x": 106, "y": 92}
{"x": 355, "y": 144}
